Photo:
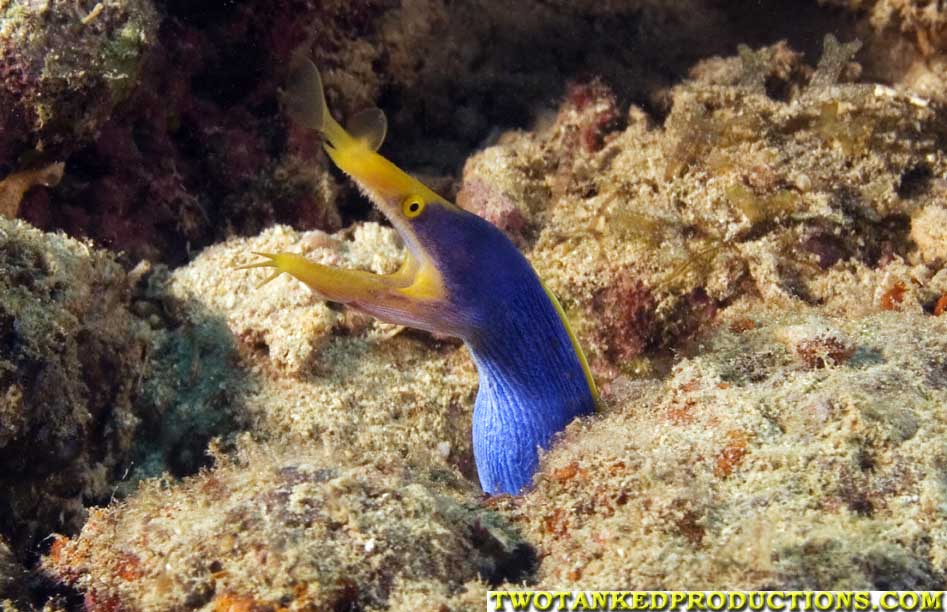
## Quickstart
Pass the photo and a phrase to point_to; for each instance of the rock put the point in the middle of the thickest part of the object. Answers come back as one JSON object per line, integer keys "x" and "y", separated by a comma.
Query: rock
{"x": 63, "y": 69}
{"x": 295, "y": 530}
{"x": 11, "y": 573}
{"x": 72, "y": 357}
{"x": 743, "y": 468}
{"x": 929, "y": 231}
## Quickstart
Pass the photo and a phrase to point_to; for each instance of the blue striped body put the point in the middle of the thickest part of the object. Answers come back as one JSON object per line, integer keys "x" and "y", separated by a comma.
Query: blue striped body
{"x": 532, "y": 383}
{"x": 531, "y": 386}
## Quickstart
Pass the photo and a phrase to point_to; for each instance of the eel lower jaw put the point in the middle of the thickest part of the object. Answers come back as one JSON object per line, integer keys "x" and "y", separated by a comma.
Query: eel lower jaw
{"x": 414, "y": 295}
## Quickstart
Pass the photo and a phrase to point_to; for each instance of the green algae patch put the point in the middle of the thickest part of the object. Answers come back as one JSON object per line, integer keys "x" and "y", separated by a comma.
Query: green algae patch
{"x": 190, "y": 391}
{"x": 122, "y": 58}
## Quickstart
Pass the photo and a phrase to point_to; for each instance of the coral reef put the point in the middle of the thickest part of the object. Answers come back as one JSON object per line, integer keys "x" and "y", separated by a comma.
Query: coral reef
{"x": 63, "y": 68}
{"x": 752, "y": 253}
{"x": 776, "y": 232}
{"x": 317, "y": 374}
{"x": 765, "y": 178}
{"x": 71, "y": 355}
{"x": 293, "y": 530}
{"x": 796, "y": 450}
{"x": 191, "y": 147}
{"x": 198, "y": 150}
{"x": 853, "y": 405}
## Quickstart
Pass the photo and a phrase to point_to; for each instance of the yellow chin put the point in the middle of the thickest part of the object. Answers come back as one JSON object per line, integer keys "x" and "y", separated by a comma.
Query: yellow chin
{"x": 406, "y": 297}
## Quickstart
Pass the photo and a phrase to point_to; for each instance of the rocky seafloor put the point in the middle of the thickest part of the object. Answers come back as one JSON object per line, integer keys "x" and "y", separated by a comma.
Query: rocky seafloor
{"x": 741, "y": 206}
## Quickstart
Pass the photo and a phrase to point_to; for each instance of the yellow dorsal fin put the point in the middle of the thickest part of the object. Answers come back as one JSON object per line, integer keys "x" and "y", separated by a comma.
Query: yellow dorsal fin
{"x": 305, "y": 102}
{"x": 369, "y": 126}
{"x": 355, "y": 154}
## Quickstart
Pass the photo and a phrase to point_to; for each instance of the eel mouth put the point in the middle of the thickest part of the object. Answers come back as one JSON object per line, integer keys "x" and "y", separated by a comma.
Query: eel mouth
{"x": 415, "y": 294}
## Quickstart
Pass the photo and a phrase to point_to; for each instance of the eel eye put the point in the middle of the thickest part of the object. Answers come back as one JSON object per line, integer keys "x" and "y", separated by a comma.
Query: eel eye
{"x": 412, "y": 206}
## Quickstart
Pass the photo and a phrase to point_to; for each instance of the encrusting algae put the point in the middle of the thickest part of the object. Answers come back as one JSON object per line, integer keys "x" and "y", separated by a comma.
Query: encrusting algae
{"x": 71, "y": 355}
{"x": 64, "y": 68}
